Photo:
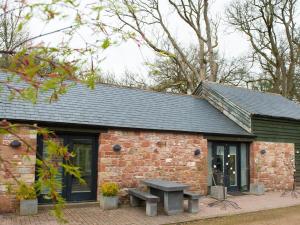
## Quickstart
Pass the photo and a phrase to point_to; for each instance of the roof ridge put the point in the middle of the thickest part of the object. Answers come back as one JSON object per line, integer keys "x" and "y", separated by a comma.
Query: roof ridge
{"x": 142, "y": 89}
{"x": 131, "y": 88}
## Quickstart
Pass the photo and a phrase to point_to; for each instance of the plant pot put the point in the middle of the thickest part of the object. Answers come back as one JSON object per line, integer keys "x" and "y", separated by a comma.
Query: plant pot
{"x": 28, "y": 207}
{"x": 257, "y": 188}
{"x": 217, "y": 192}
{"x": 109, "y": 202}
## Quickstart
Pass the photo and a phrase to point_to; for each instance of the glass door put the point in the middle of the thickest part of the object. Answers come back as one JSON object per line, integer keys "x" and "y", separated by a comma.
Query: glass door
{"x": 218, "y": 164}
{"x": 232, "y": 171}
{"x": 85, "y": 149}
{"x": 226, "y": 165}
{"x": 43, "y": 152}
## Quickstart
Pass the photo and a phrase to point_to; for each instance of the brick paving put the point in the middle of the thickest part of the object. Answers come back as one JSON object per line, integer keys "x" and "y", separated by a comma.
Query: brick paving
{"x": 93, "y": 215}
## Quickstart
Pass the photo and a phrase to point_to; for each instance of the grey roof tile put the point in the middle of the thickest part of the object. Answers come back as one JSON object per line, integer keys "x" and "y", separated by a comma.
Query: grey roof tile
{"x": 111, "y": 106}
{"x": 258, "y": 103}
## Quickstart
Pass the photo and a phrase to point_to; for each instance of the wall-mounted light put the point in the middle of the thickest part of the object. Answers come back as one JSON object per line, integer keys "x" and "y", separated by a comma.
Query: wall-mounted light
{"x": 263, "y": 151}
{"x": 197, "y": 152}
{"x": 15, "y": 144}
{"x": 117, "y": 148}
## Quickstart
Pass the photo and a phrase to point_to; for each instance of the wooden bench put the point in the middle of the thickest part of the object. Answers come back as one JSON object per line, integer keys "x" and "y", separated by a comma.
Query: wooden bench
{"x": 151, "y": 201}
{"x": 193, "y": 201}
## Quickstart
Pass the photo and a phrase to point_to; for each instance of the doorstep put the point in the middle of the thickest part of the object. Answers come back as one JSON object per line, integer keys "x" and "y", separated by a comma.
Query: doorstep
{"x": 238, "y": 193}
{"x": 71, "y": 205}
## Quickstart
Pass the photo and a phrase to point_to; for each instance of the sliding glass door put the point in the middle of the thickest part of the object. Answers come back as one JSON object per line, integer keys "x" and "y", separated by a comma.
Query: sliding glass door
{"x": 229, "y": 165}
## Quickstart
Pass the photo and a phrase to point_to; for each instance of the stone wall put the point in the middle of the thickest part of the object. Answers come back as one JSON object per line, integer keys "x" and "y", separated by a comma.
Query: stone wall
{"x": 149, "y": 154}
{"x": 146, "y": 155}
{"x": 274, "y": 168}
{"x": 19, "y": 163}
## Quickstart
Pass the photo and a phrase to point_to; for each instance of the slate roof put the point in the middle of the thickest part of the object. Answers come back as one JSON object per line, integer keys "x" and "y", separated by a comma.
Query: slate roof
{"x": 258, "y": 103}
{"x": 111, "y": 106}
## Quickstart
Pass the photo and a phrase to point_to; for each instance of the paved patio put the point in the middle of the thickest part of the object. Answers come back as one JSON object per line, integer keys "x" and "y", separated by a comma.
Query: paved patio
{"x": 136, "y": 216}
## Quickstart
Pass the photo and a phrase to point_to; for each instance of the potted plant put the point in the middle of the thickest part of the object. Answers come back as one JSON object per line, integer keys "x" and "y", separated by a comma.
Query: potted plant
{"x": 26, "y": 194}
{"x": 218, "y": 191}
{"x": 258, "y": 188}
{"x": 109, "y": 196}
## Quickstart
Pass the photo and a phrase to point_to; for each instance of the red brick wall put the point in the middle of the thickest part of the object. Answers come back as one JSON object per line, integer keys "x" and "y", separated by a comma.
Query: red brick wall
{"x": 274, "y": 168}
{"x": 19, "y": 163}
{"x": 149, "y": 154}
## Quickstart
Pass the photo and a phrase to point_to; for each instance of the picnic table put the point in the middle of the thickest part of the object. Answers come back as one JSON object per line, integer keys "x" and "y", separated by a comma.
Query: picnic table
{"x": 170, "y": 194}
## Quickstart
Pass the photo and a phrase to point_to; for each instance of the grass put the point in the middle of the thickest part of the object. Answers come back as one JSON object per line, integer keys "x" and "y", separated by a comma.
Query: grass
{"x": 289, "y": 215}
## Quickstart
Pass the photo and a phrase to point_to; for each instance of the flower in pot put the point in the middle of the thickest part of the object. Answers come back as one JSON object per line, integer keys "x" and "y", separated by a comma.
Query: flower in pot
{"x": 109, "y": 196}
{"x": 26, "y": 194}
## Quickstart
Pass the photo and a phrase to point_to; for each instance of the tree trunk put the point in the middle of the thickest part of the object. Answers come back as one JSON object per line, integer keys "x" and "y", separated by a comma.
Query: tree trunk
{"x": 202, "y": 61}
{"x": 211, "y": 57}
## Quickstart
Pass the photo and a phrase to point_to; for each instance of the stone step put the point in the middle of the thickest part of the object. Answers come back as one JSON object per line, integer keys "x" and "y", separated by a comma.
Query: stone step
{"x": 71, "y": 205}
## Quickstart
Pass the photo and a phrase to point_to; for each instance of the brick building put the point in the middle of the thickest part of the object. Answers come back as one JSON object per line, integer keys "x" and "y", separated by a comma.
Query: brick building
{"x": 126, "y": 135}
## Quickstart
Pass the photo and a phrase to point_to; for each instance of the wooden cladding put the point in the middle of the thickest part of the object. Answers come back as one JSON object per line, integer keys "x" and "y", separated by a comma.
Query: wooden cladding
{"x": 227, "y": 107}
{"x": 279, "y": 130}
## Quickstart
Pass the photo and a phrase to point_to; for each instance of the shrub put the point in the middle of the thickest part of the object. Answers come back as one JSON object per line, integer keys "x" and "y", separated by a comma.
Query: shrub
{"x": 25, "y": 192}
{"x": 109, "y": 189}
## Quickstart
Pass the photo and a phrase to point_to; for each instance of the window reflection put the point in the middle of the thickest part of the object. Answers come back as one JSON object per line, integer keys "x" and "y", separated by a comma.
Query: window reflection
{"x": 82, "y": 159}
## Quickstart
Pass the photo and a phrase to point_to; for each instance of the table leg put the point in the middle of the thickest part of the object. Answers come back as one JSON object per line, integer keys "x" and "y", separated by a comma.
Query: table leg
{"x": 173, "y": 202}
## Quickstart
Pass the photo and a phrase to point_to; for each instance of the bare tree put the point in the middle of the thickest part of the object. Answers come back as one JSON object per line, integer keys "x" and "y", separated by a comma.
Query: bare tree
{"x": 235, "y": 71}
{"x": 12, "y": 34}
{"x": 127, "y": 79}
{"x": 167, "y": 76}
{"x": 274, "y": 37}
{"x": 210, "y": 46}
{"x": 148, "y": 19}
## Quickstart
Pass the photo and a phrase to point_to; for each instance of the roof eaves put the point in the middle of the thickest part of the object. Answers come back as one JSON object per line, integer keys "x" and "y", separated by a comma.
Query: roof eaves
{"x": 276, "y": 117}
{"x": 80, "y": 123}
{"x": 231, "y": 135}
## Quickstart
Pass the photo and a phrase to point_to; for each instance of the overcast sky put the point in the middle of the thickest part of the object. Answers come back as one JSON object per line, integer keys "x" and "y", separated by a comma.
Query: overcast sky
{"x": 129, "y": 56}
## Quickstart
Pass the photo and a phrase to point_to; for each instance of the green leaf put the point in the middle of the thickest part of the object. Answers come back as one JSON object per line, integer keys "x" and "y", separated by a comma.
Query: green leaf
{"x": 28, "y": 16}
{"x": 3, "y": 131}
{"x": 98, "y": 8}
{"x": 20, "y": 27}
{"x": 29, "y": 94}
{"x": 50, "y": 84}
{"x": 106, "y": 43}
{"x": 90, "y": 80}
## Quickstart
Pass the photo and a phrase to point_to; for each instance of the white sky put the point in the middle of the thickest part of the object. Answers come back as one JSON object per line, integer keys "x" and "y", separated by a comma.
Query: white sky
{"x": 129, "y": 56}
